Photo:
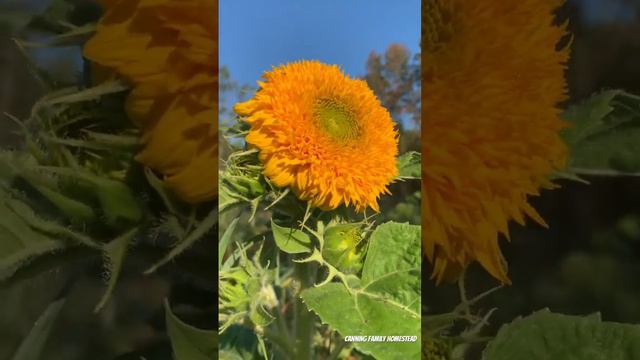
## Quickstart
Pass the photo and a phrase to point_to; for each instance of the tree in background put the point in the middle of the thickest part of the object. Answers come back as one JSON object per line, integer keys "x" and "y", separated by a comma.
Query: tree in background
{"x": 395, "y": 79}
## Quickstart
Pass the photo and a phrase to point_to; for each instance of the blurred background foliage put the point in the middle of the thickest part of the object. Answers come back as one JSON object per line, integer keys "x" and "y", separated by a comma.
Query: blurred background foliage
{"x": 586, "y": 262}
{"x": 589, "y": 258}
{"x": 132, "y": 324}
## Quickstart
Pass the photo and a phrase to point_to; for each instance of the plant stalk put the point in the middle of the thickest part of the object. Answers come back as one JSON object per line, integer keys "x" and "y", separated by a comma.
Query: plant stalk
{"x": 304, "y": 318}
{"x": 279, "y": 340}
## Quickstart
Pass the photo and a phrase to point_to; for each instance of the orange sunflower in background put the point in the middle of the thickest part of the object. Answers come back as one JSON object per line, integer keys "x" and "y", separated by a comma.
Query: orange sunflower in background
{"x": 492, "y": 83}
{"x": 167, "y": 50}
{"x": 322, "y": 134}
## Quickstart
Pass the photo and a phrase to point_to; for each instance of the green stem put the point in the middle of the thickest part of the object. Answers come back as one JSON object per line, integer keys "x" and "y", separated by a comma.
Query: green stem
{"x": 279, "y": 340}
{"x": 464, "y": 301}
{"x": 281, "y": 321}
{"x": 340, "y": 345}
{"x": 602, "y": 172}
{"x": 304, "y": 318}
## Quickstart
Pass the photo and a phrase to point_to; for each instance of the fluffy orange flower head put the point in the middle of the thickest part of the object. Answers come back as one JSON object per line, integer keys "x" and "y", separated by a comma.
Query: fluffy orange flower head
{"x": 167, "y": 50}
{"x": 322, "y": 134}
{"x": 493, "y": 79}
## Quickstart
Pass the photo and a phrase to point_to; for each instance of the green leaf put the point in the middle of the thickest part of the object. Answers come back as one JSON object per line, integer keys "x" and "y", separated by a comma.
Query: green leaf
{"x": 19, "y": 242}
{"x": 226, "y": 197}
{"x": 387, "y": 301}
{"x": 188, "y": 342}
{"x": 33, "y": 345}
{"x": 340, "y": 247}
{"x": 14, "y": 165}
{"x": 119, "y": 206}
{"x": 545, "y": 335}
{"x": 410, "y": 165}
{"x": 49, "y": 227}
{"x": 589, "y": 117}
{"x": 238, "y": 343}
{"x": 260, "y": 316}
{"x": 64, "y": 38}
{"x": 243, "y": 185}
{"x": 73, "y": 209}
{"x": 225, "y": 240}
{"x": 200, "y": 231}
{"x": 392, "y": 267}
{"x": 291, "y": 241}
{"x": 162, "y": 189}
{"x": 114, "y": 254}
{"x": 604, "y": 135}
{"x": 89, "y": 94}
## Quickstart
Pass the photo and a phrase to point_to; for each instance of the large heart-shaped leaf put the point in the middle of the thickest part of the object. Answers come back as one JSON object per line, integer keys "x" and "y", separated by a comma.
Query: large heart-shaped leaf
{"x": 387, "y": 301}
{"x": 545, "y": 335}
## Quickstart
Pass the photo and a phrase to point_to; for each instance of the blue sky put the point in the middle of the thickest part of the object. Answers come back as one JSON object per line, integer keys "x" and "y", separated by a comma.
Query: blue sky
{"x": 258, "y": 34}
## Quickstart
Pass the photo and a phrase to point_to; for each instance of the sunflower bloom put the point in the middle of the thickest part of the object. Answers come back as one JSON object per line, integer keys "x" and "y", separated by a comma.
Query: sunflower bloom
{"x": 493, "y": 80}
{"x": 322, "y": 134}
{"x": 167, "y": 50}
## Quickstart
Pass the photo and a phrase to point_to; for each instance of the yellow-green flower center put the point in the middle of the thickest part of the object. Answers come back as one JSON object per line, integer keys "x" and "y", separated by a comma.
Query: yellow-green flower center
{"x": 336, "y": 119}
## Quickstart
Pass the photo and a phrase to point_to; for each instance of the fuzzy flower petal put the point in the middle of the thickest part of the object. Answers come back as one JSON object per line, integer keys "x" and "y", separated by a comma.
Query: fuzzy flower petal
{"x": 167, "y": 50}
{"x": 322, "y": 134}
{"x": 493, "y": 80}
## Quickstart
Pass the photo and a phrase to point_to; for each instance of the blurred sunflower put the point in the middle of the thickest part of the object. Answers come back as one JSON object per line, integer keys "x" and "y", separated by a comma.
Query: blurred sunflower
{"x": 322, "y": 134}
{"x": 493, "y": 80}
{"x": 167, "y": 50}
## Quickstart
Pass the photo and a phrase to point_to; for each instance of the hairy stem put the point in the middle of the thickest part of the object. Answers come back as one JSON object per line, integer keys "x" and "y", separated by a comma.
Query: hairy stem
{"x": 279, "y": 340}
{"x": 304, "y": 318}
{"x": 340, "y": 345}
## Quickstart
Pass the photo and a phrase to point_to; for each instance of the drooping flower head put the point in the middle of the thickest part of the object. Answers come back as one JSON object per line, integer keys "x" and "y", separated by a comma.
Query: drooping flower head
{"x": 322, "y": 134}
{"x": 492, "y": 82}
{"x": 168, "y": 51}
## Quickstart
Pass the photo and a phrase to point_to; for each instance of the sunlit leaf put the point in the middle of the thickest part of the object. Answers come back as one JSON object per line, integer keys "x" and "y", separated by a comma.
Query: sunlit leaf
{"x": 225, "y": 240}
{"x": 410, "y": 165}
{"x": 291, "y": 241}
{"x": 387, "y": 300}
